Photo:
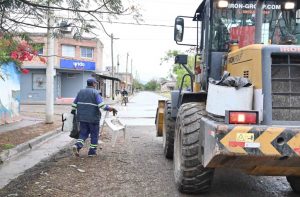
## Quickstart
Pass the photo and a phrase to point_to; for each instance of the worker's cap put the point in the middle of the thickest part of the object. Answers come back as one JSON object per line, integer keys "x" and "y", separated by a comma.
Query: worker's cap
{"x": 91, "y": 80}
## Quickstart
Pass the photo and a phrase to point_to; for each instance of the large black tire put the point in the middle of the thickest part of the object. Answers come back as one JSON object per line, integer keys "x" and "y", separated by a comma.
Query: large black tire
{"x": 168, "y": 131}
{"x": 294, "y": 182}
{"x": 190, "y": 175}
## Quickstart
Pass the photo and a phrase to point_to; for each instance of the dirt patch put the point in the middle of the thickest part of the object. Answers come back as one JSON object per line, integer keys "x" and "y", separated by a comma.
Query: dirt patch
{"x": 135, "y": 167}
{"x": 12, "y": 138}
{"x": 132, "y": 168}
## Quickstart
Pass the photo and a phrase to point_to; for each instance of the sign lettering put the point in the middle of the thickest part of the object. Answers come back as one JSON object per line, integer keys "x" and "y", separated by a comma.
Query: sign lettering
{"x": 290, "y": 49}
{"x": 235, "y": 59}
{"x": 78, "y": 65}
{"x": 252, "y": 6}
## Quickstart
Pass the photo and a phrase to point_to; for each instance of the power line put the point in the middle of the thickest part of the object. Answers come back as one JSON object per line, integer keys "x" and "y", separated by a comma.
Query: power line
{"x": 122, "y": 23}
{"x": 144, "y": 24}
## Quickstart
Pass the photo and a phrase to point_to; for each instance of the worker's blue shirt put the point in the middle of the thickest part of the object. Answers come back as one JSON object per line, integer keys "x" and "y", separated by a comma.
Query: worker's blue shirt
{"x": 88, "y": 103}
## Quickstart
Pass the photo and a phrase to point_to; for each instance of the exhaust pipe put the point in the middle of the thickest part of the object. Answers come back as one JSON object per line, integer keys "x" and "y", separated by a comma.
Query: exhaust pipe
{"x": 258, "y": 21}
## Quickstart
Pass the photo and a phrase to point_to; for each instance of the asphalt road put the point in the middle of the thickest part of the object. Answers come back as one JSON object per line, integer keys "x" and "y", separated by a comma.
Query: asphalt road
{"x": 135, "y": 167}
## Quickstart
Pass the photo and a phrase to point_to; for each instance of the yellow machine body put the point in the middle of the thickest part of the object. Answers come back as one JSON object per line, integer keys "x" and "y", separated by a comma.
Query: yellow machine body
{"x": 247, "y": 62}
{"x": 275, "y": 147}
{"x": 159, "y": 120}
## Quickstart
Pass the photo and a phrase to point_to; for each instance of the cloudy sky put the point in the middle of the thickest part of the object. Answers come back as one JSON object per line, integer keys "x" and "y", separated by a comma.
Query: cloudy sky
{"x": 146, "y": 45}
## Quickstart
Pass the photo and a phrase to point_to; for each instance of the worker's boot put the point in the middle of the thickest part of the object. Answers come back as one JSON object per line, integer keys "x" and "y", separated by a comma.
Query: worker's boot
{"x": 92, "y": 152}
{"x": 75, "y": 150}
{"x": 77, "y": 146}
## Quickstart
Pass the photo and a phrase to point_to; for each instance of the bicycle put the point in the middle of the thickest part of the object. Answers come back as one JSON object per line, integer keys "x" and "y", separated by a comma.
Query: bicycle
{"x": 124, "y": 100}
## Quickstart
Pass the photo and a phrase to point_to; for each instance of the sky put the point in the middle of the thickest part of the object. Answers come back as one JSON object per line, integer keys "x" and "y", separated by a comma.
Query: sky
{"x": 146, "y": 45}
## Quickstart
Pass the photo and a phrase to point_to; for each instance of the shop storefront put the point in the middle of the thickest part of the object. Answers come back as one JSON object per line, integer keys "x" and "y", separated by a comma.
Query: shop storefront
{"x": 69, "y": 78}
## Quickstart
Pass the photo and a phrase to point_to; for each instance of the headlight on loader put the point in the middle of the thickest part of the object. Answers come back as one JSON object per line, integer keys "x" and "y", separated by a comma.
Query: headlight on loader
{"x": 222, "y": 4}
{"x": 289, "y": 5}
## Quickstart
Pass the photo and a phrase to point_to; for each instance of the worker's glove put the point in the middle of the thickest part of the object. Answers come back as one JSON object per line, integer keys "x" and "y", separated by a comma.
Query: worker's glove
{"x": 73, "y": 111}
{"x": 113, "y": 110}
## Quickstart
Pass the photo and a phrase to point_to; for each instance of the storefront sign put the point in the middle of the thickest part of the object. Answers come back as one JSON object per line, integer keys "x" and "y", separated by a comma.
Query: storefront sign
{"x": 77, "y": 64}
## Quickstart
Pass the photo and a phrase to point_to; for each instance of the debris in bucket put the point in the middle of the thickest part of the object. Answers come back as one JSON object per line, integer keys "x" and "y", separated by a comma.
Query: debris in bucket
{"x": 229, "y": 81}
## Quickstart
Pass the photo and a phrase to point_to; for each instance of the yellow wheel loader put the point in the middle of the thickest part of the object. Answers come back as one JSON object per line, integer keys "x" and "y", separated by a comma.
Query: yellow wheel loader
{"x": 203, "y": 129}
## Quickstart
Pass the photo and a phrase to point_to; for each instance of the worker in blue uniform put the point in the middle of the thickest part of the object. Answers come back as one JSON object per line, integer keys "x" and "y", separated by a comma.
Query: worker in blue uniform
{"x": 87, "y": 104}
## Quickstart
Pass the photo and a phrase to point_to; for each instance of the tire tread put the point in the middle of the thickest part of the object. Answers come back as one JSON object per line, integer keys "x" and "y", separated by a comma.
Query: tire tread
{"x": 194, "y": 178}
{"x": 169, "y": 131}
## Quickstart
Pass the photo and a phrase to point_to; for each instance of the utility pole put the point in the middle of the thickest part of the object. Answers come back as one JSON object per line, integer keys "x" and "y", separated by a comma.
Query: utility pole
{"x": 50, "y": 69}
{"x": 131, "y": 68}
{"x": 118, "y": 63}
{"x": 131, "y": 77}
{"x": 126, "y": 71}
{"x": 112, "y": 67}
{"x": 118, "y": 66}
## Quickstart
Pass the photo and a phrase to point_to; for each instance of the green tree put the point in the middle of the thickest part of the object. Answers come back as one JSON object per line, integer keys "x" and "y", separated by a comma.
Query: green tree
{"x": 152, "y": 85}
{"x": 80, "y": 15}
{"x": 137, "y": 85}
{"x": 177, "y": 69}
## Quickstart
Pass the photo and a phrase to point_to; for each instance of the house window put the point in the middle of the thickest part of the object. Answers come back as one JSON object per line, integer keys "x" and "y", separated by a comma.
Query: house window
{"x": 68, "y": 50}
{"x": 39, "y": 81}
{"x": 86, "y": 52}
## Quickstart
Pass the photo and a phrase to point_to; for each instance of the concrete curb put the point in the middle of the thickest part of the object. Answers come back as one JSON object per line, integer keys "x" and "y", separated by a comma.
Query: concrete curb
{"x": 43, "y": 150}
{"x": 26, "y": 146}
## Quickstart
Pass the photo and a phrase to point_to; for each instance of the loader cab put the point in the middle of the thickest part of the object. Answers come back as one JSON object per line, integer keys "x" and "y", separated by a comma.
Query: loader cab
{"x": 227, "y": 23}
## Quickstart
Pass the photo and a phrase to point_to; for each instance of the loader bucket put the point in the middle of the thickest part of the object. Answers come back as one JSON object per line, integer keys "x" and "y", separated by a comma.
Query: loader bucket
{"x": 159, "y": 119}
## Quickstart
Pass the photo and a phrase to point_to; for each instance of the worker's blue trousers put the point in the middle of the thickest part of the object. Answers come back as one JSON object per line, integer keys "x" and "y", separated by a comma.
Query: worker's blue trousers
{"x": 86, "y": 129}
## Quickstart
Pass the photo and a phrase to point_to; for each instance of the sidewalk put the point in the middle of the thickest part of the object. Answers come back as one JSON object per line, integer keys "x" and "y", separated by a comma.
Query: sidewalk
{"x": 20, "y": 136}
{"x": 25, "y": 143}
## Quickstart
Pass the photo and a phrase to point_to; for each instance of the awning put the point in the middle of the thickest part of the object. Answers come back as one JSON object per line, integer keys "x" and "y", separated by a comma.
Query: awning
{"x": 101, "y": 76}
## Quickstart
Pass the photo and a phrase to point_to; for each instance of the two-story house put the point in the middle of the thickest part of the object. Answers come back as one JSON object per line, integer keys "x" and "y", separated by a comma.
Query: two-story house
{"x": 75, "y": 62}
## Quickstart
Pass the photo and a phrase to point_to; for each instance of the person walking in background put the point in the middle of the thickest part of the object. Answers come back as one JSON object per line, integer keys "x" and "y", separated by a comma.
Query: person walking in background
{"x": 124, "y": 95}
{"x": 88, "y": 103}
{"x": 124, "y": 92}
